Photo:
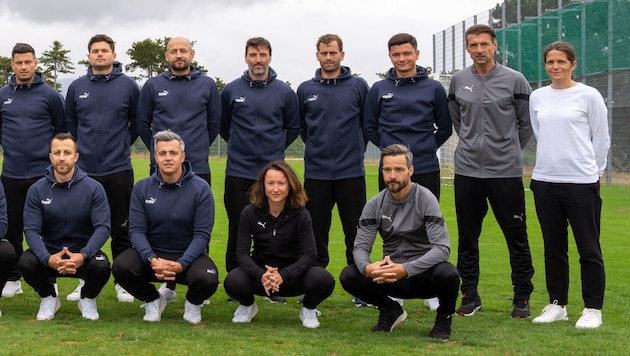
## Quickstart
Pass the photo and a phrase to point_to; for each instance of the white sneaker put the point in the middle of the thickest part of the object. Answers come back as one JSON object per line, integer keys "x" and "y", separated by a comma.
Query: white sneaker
{"x": 48, "y": 307}
{"x": 169, "y": 294}
{"x": 432, "y": 303}
{"x": 153, "y": 310}
{"x": 56, "y": 289}
{"x": 192, "y": 312}
{"x": 244, "y": 313}
{"x": 76, "y": 293}
{"x": 552, "y": 312}
{"x": 88, "y": 309}
{"x": 11, "y": 288}
{"x": 122, "y": 295}
{"x": 397, "y": 300}
{"x": 590, "y": 319}
{"x": 309, "y": 317}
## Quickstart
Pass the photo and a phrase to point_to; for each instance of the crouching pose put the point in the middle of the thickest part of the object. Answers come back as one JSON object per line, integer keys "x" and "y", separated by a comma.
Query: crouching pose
{"x": 170, "y": 221}
{"x": 8, "y": 257}
{"x": 66, "y": 223}
{"x": 283, "y": 259}
{"x": 415, "y": 249}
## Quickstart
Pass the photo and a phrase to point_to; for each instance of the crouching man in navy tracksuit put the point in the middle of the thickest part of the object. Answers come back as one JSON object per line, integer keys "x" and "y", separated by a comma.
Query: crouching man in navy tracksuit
{"x": 7, "y": 253}
{"x": 66, "y": 223}
{"x": 170, "y": 220}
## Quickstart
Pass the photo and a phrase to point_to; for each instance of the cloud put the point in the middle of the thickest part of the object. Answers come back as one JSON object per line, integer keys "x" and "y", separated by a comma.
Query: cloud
{"x": 115, "y": 11}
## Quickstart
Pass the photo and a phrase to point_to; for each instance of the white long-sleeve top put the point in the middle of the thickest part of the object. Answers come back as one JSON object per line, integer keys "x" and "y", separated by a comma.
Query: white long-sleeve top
{"x": 571, "y": 127}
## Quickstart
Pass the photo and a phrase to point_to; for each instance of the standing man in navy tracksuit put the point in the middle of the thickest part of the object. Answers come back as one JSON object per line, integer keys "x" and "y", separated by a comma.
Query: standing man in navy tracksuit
{"x": 31, "y": 112}
{"x": 101, "y": 114}
{"x": 183, "y": 100}
{"x": 331, "y": 111}
{"x": 259, "y": 121}
{"x": 409, "y": 108}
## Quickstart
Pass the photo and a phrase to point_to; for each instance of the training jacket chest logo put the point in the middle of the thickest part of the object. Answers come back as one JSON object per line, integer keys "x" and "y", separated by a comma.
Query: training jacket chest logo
{"x": 240, "y": 100}
{"x": 8, "y": 101}
{"x": 84, "y": 95}
{"x": 262, "y": 224}
{"x": 47, "y": 201}
{"x": 388, "y": 96}
{"x": 385, "y": 217}
{"x": 469, "y": 88}
{"x": 312, "y": 98}
{"x": 163, "y": 93}
{"x": 150, "y": 201}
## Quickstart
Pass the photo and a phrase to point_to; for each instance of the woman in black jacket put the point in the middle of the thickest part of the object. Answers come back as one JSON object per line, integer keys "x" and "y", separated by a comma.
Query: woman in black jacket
{"x": 283, "y": 258}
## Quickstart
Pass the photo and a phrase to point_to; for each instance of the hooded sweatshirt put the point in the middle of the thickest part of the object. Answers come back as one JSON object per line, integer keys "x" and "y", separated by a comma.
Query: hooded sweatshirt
{"x": 101, "y": 115}
{"x": 73, "y": 214}
{"x": 412, "y": 111}
{"x": 259, "y": 120}
{"x": 331, "y": 112}
{"x": 188, "y": 105}
{"x": 30, "y": 114}
{"x": 171, "y": 217}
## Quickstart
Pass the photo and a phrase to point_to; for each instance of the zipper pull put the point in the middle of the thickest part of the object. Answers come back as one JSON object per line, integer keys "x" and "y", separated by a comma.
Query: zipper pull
{"x": 274, "y": 233}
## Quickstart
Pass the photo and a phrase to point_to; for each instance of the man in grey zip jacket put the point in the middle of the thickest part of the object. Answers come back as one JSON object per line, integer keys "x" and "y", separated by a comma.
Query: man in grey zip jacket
{"x": 488, "y": 104}
{"x": 416, "y": 248}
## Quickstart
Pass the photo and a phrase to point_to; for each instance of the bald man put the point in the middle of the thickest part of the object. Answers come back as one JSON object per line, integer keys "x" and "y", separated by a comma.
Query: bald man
{"x": 183, "y": 100}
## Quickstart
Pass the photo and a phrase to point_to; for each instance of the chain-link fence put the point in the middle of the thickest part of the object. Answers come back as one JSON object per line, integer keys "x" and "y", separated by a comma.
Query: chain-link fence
{"x": 600, "y": 34}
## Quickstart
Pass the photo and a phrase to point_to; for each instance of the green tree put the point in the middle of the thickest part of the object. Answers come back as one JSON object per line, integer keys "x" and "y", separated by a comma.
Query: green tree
{"x": 84, "y": 62}
{"x": 147, "y": 55}
{"x": 220, "y": 83}
{"x": 382, "y": 75}
{"x": 55, "y": 62}
{"x": 5, "y": 70}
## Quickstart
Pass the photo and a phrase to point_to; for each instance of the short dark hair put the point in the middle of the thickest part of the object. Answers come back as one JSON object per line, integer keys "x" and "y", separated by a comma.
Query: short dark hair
{"x": 258, "y": 42}
{"x": 102, "y": 38}
{"x": 561, "y": 46}
{"x": 165, "y": 136}
{"x": 328, "y": 39}
{"x": 402, "y": 38}
{"x": 297, "y": 196}
{"x": 481, "y": 29}
{"x": 21, "y": 48}
{"x": 62, "y": 136}
{"x": 398, "y": 149}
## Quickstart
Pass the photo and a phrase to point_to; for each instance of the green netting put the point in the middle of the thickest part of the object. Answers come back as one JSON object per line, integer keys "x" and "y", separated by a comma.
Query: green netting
{"x": 599, "y": 31}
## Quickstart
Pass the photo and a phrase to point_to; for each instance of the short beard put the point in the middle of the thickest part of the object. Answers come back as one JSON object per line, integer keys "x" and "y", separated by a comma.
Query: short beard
{"x": 399, "y": 188}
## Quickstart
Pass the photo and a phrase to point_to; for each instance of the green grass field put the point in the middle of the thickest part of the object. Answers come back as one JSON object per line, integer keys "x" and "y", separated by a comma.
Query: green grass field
{"x": 345, "y": 329}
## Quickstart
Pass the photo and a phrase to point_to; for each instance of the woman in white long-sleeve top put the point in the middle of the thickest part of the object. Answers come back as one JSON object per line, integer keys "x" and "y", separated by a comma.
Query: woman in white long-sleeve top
{"x": 571, "y": 125}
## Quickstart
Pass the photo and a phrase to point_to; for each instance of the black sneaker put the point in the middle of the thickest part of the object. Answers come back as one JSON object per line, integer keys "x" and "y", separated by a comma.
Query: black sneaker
{"x": 389, "y": 318}
{"x": 442, "y": 328}
{"x": 470, "y": 305}
{"x": 520, "y": 309}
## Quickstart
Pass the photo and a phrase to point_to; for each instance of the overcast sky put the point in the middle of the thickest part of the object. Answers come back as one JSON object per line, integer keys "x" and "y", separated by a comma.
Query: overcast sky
{"x": 221, "y": 28}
